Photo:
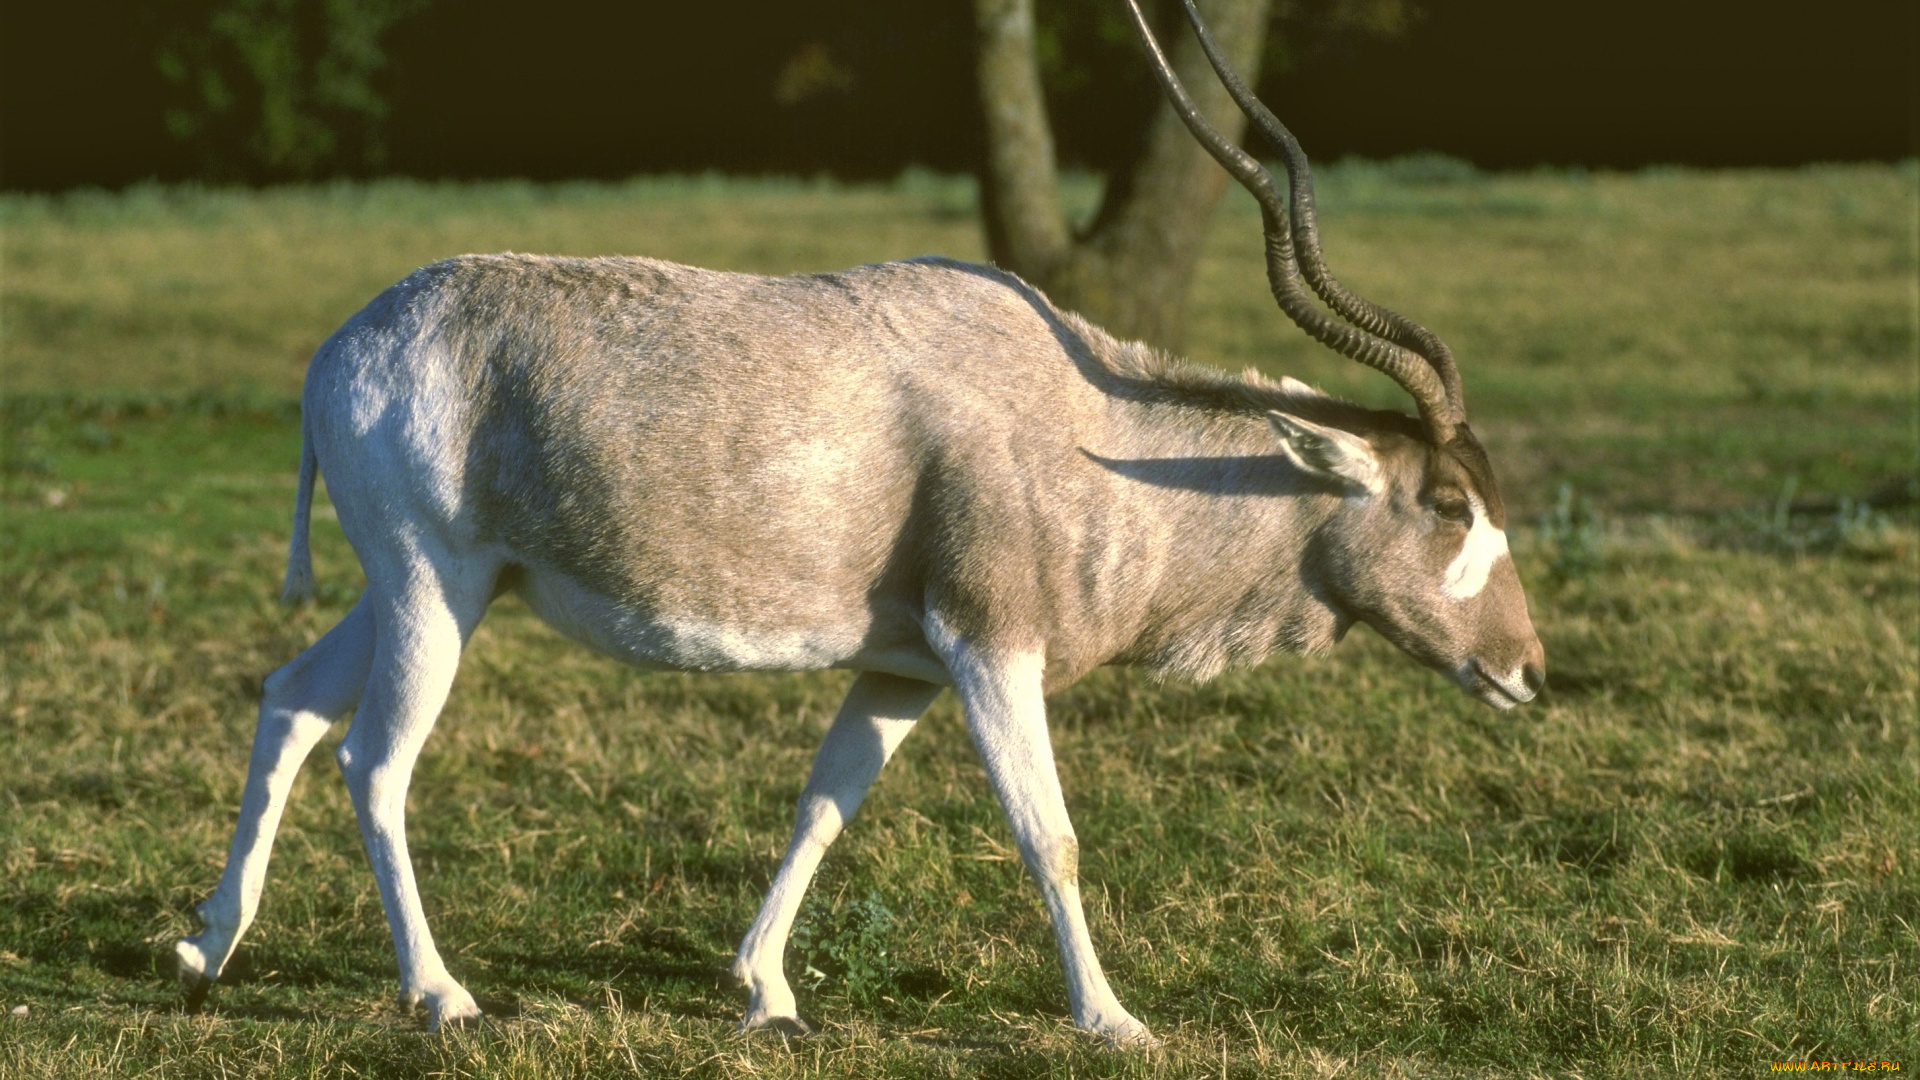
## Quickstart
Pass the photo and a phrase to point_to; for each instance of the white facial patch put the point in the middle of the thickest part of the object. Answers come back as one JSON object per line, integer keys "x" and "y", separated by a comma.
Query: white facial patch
{"x": 1467, "y": 574}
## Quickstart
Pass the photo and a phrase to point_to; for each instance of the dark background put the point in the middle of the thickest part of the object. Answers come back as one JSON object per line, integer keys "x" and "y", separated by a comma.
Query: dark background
{"x": 860, "y": 88}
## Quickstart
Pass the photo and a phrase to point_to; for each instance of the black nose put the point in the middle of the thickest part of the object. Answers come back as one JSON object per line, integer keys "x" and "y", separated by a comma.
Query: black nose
{"x": 1535, "y": 677}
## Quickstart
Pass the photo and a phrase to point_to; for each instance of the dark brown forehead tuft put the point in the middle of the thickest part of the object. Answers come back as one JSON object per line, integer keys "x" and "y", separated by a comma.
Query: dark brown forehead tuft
{"x": 1469, "y": 456}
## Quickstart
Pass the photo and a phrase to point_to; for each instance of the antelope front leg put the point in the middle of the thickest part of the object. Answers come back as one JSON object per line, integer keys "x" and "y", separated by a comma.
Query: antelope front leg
{"x": 878, "y": 713}
{"x": 1008, "y": 718}
{"x": 301, "y": 700}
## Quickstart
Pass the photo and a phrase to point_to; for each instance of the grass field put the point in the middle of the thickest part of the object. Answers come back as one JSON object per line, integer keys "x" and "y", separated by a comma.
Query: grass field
{"x": 1700, "y": 853}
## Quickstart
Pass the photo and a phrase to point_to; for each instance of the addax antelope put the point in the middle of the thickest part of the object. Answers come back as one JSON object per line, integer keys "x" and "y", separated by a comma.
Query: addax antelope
{"x": 922, "y": 471}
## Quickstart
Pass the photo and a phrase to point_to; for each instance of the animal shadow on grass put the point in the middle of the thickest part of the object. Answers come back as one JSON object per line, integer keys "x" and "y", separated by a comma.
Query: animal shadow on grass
{"x": 1565, "y": 683}
{"x": 265, "y": 981}
{"x": 60, "y": 936}
{"x": 1596, "y": 842}
{"x": 1749, "y": 856}
{"x": 670, "y": 973}
{"x": 502, "y": 983}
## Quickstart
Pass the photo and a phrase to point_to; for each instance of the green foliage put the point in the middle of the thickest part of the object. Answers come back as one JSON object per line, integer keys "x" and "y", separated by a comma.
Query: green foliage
{"x": 848, "y": 945}
{"x": 298, "y": 89}
{"x": 1853, "y": 528}
{"x": 1571, "y": 533}
{"x": 293, "y": 82}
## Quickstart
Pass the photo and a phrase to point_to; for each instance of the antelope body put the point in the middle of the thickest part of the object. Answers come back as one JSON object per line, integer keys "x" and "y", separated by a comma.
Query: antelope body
{"x": 920, "y": 471}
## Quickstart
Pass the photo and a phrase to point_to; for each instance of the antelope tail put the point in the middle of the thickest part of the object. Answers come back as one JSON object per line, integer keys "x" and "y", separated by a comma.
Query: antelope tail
{"x": 299, "y": 583}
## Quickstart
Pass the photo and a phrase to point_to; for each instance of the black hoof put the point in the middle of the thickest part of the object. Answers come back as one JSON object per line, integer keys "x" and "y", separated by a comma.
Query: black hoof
{"x": 787, "y": 1027}
{"x": 197, "y": 988}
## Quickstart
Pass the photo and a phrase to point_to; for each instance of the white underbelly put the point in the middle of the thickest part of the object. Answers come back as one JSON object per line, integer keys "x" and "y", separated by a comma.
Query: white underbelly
{"x": 659, "y": 641}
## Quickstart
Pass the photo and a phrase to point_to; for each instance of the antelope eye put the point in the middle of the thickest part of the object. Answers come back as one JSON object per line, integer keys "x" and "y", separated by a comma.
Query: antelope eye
{"x": 1454, "y": 510}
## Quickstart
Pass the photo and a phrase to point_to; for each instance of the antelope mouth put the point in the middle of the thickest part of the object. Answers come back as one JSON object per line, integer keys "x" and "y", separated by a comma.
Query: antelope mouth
{"x": 1475, "y": 679}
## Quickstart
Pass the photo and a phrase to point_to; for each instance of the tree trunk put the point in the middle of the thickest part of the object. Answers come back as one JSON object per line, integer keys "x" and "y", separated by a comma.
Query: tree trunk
{"x": 1131, "y": 270}
{"x": 1020, "y": 203}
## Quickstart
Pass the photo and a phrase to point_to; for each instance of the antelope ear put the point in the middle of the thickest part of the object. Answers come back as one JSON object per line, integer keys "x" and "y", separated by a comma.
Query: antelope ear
{"x": 1325, "y": 451}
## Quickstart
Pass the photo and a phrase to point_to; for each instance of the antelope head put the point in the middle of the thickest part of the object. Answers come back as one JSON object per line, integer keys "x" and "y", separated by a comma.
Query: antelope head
{"x": 1418, "y": 549}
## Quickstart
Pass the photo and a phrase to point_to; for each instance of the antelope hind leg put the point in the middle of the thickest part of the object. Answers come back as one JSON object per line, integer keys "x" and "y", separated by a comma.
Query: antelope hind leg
{"x": 300, "y": 701}
{"x": 423, "y": 624}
